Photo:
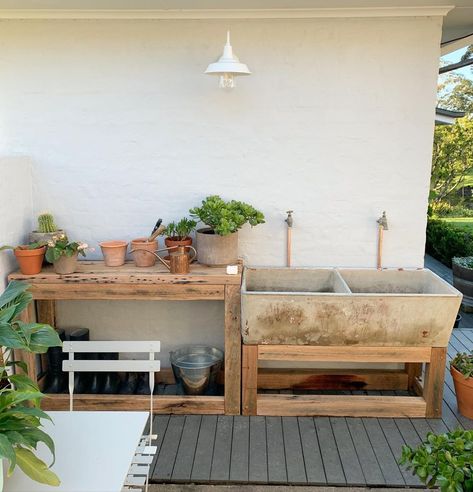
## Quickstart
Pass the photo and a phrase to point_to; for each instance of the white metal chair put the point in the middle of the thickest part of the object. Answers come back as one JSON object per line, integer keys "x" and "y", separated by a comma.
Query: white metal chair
{"x": 138, "y": 474}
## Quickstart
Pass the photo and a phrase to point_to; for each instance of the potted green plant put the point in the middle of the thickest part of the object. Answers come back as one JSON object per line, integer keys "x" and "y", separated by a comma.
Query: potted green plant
{"x": 217, "y": 244}
{"x": 463, "y": 279}
{"x": 20, "y": 415}
{"x": 178, "y": 233}
{"x": 47, "y": 228}
{"x": 63, "y": 254}
{"x": 29, "y": 257}
{"x": 461, "y": 368}
{"x": 444, "y": 460}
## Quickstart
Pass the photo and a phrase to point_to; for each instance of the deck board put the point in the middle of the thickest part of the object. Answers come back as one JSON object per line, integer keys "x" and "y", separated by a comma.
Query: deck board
{"x": 299, "y": 450}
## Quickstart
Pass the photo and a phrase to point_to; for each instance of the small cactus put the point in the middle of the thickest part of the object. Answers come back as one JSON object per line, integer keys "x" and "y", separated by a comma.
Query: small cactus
{"x": 46, "y": 223}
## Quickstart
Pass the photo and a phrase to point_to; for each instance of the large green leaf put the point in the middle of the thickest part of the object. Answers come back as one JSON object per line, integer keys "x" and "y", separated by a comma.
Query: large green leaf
{"x": 10, "y": 338}
{"x": 14, "y": 289}
{"x": 37, "y": 435}
{"x": 39, "y": 337}
{"x": 35, "y": 468}
{"x": 11, "y": 397}
{"x": 30, "y": 411}
{"x": 7, "y": 451}
{"x": 22, "y": 382}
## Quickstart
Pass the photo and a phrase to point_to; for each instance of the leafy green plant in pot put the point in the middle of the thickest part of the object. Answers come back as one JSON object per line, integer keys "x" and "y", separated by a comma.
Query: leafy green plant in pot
{"x": 47, "y": 228}
{"x": 463, "y": 279}
{"x": 444, "y": 460}
{"x": 29, "y": 257}
{"x": 217, "y": 244}
{"x": 461, "y": 368}
{"x": 20, "y": 414}
{"x": 63, "y": 254}
{"x": 178, "y": 234}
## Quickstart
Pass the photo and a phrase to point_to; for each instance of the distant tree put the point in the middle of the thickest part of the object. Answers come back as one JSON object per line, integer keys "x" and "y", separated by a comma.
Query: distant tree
{"x": 452, "y": 157}
{"x": 456, "y": 93}
{"x": 468, "y": 53}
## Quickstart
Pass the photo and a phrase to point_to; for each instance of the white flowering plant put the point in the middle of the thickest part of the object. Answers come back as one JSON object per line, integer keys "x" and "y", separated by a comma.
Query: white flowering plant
{"x": 60, "y": 245}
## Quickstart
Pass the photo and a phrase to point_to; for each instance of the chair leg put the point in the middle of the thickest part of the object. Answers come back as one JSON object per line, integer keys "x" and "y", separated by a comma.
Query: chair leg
{"x": 434, "y": 380}
{"x": 250, "y": 379}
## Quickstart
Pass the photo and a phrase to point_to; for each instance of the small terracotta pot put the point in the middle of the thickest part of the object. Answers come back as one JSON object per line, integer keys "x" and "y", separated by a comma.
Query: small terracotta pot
{"x": 142, "y": 251}
{"x": 66, "y": 264}
{"x": 30, "y": 260}
{"x": 114, "y": 252}
{"x": 464, "y": 392}
{"x": 171, "y": 242}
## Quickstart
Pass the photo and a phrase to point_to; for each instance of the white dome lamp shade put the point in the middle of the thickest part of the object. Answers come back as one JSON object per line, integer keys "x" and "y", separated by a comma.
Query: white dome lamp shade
{"x": 227, "y": 67}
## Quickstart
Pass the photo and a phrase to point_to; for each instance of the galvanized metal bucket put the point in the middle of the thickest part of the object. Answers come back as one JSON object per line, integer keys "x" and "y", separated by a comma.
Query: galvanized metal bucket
{"x": 196, "y": 369}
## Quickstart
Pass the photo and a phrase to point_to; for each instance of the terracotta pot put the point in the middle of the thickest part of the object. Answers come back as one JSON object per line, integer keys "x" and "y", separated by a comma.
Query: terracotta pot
{"x": 464, "y": 392}
{"x": 30, "y": 260}
{"x": 171, "y": 242}
{"x": 114, "y": 252}
{"x": 142, "y": 251}
{"x": 66, "y": 264}
{"x": 215, "y": 250}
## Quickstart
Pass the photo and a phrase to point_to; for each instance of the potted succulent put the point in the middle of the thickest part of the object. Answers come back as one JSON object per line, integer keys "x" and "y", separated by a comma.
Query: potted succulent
{"x": 461, "y": 368}
{"x": 217, "y": 244}
{"x": 444, "y": 460}
{"x": 20, "y": 415}
{"x": 463, "y": 279}
{"x": 178, "y": 233}
{"x": 29, "y": 257}
{"x": 46, "y": 229}
{"x": 63, "y": 254}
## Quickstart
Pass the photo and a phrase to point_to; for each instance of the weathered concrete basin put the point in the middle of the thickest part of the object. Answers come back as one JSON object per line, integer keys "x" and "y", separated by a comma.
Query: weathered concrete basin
{"x": 323, "y": 306}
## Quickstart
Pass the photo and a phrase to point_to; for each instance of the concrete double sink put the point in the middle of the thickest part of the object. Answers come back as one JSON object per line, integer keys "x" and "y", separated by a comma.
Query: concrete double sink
{"x": 331, "y": 306}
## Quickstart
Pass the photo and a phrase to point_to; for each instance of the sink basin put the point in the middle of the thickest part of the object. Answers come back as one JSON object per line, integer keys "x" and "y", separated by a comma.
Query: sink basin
{"x": 328, "y": 306}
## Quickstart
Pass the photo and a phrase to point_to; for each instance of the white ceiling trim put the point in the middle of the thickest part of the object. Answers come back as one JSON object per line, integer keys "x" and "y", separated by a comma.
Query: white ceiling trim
{"x": 224, "y": 13}
{"x": 452, "y": 46}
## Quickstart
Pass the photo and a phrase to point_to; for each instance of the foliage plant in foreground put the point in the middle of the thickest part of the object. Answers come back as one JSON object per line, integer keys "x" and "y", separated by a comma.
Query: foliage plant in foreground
{"x": 20, "y": 415}
{"x": 444, "y": 460}
{"x": 226, "y": 217}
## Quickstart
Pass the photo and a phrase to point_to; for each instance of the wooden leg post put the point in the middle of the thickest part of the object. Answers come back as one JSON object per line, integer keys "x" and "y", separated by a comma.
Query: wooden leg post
{"x": 46, "y": 313}
{"x": 414, "y": 371}
{"x": 250, "y": 379}
{"x": 434, "y": 380}
{"x": 232, "y": 350}
{"x": 28, "y": 315}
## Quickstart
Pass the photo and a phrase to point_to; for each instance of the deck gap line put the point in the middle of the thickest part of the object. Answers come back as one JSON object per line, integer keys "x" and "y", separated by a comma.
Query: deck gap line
{"x": 338, "y": 451}
{"x": 196, "y": 443}
{"x": 302, "y": 450}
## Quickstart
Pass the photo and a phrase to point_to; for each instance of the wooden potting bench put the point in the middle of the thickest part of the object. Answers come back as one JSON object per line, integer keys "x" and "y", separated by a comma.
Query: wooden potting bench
{"x": 94, "y": 281}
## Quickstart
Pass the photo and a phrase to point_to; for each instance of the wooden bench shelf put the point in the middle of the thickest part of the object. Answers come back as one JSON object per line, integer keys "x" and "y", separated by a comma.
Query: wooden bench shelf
{"x": 95, "y": 281}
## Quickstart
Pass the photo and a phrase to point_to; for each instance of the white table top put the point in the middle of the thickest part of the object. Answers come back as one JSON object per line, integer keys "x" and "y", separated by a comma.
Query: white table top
{"x": 94, "y": 451}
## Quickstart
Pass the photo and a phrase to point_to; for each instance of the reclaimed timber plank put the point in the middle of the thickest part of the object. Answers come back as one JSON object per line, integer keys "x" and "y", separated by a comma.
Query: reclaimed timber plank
{"x": 250, "y": 380}
{"x": 95, "y": 272}
{"x": 314, "y": 467}
{"x": 346, "y": 450}
{"x": 173, "y": 404}
{"x": 144, "y": 292}
{"x": 337, "y": 379}
{"x": 294, "y": 457}
{"x": 258, "y": 456}
{"x": 345, "y": 354}
{"x": 220, "y": 470}
{"x": 277, "y": 472}
{"x": 204, "y": 449}
{"x": 167, "y": 456}
{"x": 160, "y": 423}
{"x": 366, "y": 456}
{"x": 341, "y": 405}
{"x": 434, "y": 382}
{"x": 330, "y": 456}
{"x": 387, "y": 462}
{"x": 185, "y": 454}
{"x": 232, "y": 350}
{"x": 239, "y": 460}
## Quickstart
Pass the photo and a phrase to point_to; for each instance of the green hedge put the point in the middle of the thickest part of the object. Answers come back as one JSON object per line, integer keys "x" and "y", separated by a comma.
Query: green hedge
{"x": 445, "y": 241}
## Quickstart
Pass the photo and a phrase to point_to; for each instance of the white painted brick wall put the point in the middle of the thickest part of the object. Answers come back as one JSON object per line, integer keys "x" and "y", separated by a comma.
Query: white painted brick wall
{"x": 122, "y": 127}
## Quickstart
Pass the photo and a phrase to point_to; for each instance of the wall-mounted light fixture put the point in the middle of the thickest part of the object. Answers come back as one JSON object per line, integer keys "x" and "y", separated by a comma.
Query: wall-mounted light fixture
{"x": 227, "y": 67}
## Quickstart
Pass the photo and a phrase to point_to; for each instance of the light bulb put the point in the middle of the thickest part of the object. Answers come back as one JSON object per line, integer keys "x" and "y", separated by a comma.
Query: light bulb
{"x": 227, "y": 81}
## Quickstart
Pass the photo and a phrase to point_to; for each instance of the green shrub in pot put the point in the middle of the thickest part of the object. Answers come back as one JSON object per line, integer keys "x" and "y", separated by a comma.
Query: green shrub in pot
{"x": 20, "y": 415}
{"x": 462, "y": 268}
{"x": 217, "y": 244}
{"x": 178, "y": 233}
{"x": 443, "y": 460}
{"x": 461, "y": 368}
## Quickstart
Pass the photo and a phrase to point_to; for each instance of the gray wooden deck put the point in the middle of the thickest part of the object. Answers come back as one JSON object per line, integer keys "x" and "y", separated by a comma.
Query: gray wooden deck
{"x": 300, "y": 450}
